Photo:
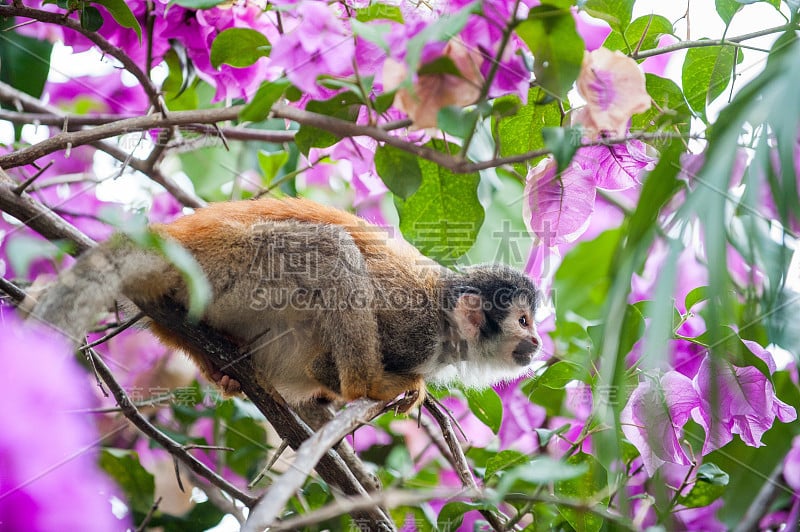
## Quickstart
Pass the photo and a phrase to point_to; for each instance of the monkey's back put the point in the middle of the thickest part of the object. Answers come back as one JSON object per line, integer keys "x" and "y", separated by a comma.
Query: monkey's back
{"x": 404, "y": 280}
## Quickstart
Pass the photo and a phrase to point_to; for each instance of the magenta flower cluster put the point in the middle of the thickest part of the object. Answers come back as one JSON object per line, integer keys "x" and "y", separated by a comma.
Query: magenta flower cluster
{"x": 49, "y": 477}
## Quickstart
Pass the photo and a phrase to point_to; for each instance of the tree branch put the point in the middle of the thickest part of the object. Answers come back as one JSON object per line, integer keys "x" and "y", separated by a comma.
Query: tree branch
{"x": 104, "y": 45}
{"x": 731, "y": 41}
{"x": 113, "y": 129}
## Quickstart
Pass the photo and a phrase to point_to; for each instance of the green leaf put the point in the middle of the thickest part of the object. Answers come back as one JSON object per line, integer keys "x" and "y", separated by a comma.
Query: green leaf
{"x": 452, "y": 514}
{"x": 563, "y": 142}
{"x": 246, "y": 436}
{"x": 659, "y": 186}
{"x": 399, "y": 170}
{"x": 583, "y": 488}
{"x": 559, "y": 374}
{"x": 197, "y": 4}
{"x": 545, "y": 435}
{"x": 343, "y": 106}
{"x": 136, "y": 482}
{"x": 384, "y": 100}
{"x": 581, "y": 282}
{"x": 541, "y": 470}
{"x": 726, "y": 9}
{"x": 202, "y": 516}
{"x": 616, "y": 12}
{"x": 239, "y": 47}
{"x": 377, "y": 10}
{"x": 633, "y": 327}
{"x": 443, "y": 217}
{"x": 706, "y": 73}
{"x": 91, "y": 19}
{"x": 179, "y": 89}
{"x": 670, "y": 110}
{"x": 267, "y": 94}
{"x": 710, "y": 484}
{"x": 457, "y": 121}
{"x": 712, "y": 474}
{"x": 24, "y": 61}
{"x": 695, "y": 296}
{"x": 646, "y": 30}
{"x": 557, "y": 48}
{"x": 212, "y": 167}
{"x": 487, "y": 407}
{"x": 504, "y": 460}
{"x": 316, "y": 495}
{"x": 440, "y": 65}
{"x": 122, "y": 14}
{"x": 521, "y": 132}
{"x": 271, "y": 163}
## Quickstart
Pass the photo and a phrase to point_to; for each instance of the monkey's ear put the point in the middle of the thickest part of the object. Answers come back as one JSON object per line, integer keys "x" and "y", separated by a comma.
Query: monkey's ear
{"x": 468, "y": 315}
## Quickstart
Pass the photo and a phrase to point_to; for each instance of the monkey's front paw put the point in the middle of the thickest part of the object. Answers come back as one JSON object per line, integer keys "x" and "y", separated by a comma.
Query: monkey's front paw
{"x": 411, "y": 399}
{"x": 229, "y": 385}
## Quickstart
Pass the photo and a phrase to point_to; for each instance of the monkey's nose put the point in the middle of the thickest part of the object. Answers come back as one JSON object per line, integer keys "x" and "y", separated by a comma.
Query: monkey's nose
{"x": 523, "y": 353}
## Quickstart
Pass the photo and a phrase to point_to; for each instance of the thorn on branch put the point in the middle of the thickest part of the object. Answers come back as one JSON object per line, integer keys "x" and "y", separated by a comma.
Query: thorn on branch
{"x": 98, "y": 381}
{"x": 178, "y": 474}
{"x": 28, "y": 182}
{"x": 222, "y": 137}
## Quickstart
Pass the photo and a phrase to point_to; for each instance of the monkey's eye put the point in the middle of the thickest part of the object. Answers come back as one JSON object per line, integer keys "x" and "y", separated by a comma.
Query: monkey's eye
{"x": 523, "y": 321}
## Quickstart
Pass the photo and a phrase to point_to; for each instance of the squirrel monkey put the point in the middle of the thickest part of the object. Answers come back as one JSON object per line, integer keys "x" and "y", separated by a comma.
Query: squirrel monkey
{"x": 328, "y": 305}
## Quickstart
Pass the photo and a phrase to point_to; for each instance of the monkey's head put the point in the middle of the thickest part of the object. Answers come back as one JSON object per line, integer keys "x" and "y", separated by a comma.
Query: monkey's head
{"x": 492, "y": 310}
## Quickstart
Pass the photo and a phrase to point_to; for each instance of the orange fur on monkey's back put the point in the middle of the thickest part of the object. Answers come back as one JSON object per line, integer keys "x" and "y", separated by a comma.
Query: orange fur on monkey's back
{"x": 207, "y": 230}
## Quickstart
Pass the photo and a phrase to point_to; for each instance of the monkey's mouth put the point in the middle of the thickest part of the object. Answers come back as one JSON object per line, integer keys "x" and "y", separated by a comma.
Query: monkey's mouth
{"x": 523, "y": 353}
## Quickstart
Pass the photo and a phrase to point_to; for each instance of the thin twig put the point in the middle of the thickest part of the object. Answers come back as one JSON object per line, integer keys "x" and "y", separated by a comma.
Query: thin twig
{"x": 274, "y": 458}
{"x": 104, "y": 45}
{"x": 114, "y": 332}
{"x": 731, "y": 41}
{"x": 15, "y": 292}
{"x": 143, "y": 525}
{"x": 581, "y": 506}
{"x": 28, "y": 182}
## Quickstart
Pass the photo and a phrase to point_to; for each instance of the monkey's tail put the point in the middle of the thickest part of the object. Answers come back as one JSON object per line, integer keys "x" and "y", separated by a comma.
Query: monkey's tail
{"x": 98, "y": 278}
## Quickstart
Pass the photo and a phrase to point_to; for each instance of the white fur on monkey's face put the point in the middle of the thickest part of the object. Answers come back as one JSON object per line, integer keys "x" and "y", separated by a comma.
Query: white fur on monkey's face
{"x": 484, "y": 358}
